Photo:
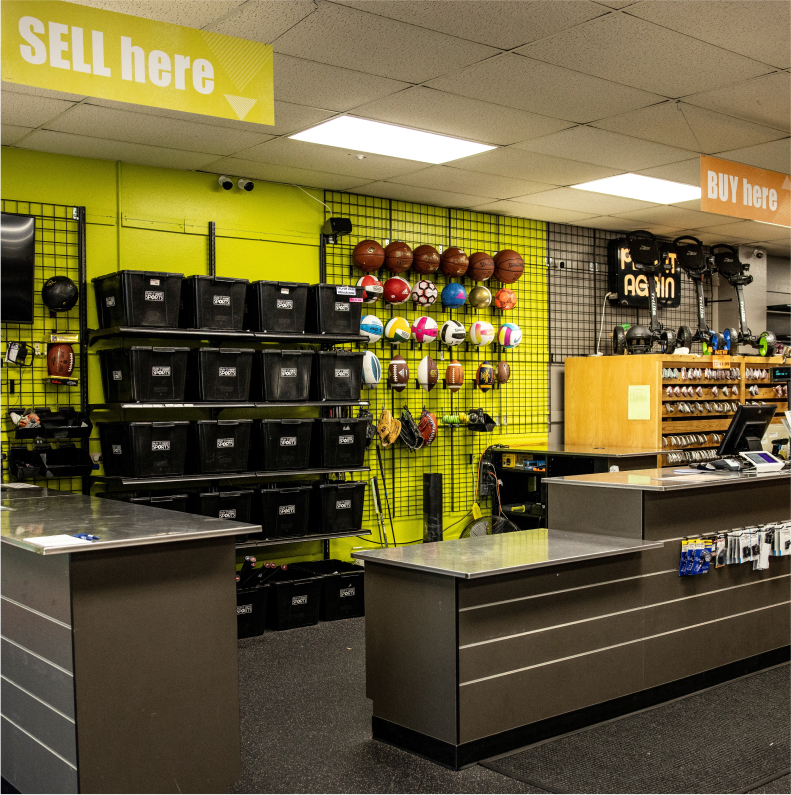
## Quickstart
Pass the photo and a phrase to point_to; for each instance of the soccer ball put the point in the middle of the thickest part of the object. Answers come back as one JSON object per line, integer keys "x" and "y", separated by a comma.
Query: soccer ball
{"x": 424, "y": 293}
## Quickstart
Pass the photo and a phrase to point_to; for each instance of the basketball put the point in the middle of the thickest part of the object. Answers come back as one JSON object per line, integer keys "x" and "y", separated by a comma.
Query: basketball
{"x": 398, "y": 373}
{"x": 454, "y": 262}
{"x": 424, "y": 329}
{"x": 368, "y": 256}
{"x": 397, "y": 330}
{"x": 425, "y": 260}
{"x": 453, "y": 295}
{"x": 371, "y": 328}
{"x": 503, "y": 372}
{"x": 510, "y": 335}
{"x": 372, "y": 370}
{"x": 452, "y": 333}
{"x": 505, "y": 299}
{"x": 60, "y": 359}
{"x": 398, "y": 256}
{"x": 481, "y": 333}
{"x": 508, "y": 266}
{"x": 427, "y": 373}
{"x": 480, "y": 297}
{"x": 425, "y": 293}
{"x": 454, "y": 376}
{"x": 397, "y": 290}
{"x": 484, "y": 377}
{"x": 481, "y": 266}
{"x": 372, "y": 288}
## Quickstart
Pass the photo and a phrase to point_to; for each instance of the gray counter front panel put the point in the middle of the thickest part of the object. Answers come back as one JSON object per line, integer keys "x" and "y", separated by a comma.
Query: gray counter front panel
{"x": 43, "y": 636}
{"x": 41, "y": 585}
{"x": 598, "y": 511}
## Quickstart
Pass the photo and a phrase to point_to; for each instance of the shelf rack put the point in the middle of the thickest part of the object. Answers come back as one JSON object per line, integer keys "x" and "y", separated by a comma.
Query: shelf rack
{"x": 268, "y": 542}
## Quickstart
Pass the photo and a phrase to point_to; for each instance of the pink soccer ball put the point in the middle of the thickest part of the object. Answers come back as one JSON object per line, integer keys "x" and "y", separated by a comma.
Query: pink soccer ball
{"x": 424, "y": 329}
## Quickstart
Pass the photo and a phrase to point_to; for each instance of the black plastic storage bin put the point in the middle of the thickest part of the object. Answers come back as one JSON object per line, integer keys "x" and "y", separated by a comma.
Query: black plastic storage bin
{"x": 281, "y": 445}
{"x": 334, "y": 309}
{"x": 144, "y": 449}
{"x": 224, "y": 504}
{"x": 64, "y": 461}
{"x": 342, "y": 588}
{"x": 219, "y": 446}
{"x": 215, "y": 302}
{"x": 138, "y": 298}
{"x": 338, "y": 375}
{"x": 338, "y": 506}
{"x": 281, "y": 375}
{"x": 220, "y": 374}
{"x": 251, "y": 604}
{"x": 339, "y": 443}
{"x": 168, "y": 502}
{"x": 282, "y": 512}
{"x": 276, "y": 307}
{"x": 142, "y": 374}
{"x": 294, "y": 598}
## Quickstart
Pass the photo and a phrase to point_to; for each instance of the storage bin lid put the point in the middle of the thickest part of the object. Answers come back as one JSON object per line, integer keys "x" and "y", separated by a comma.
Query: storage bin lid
{"x": 226, "y": 350}
{"x": 223, "y": 422}
{"x": 228, "y": 279}
{"x": 137, "y": 273}
{"x": 157, "y": 424}
{"x": 225, "y": 493}
{"x": 156, "y": 348}
{"x": 282, "y": 352}
{"x": 346, "y": 420}
{"x": 342, "y": 353}
{"x": 281, "y": 284}
{"x": 355, "y": 484}
{"x": 288, "y": 421}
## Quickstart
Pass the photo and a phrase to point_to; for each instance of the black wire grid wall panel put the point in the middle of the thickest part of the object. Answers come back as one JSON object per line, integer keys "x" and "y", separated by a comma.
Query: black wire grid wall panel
{"x": 520, "y": 405}
{"x": 578, "y": 282}
{"x": 59, "y": 251}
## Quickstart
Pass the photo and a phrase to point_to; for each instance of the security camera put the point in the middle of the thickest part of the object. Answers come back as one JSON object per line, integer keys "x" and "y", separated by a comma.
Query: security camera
{"x": 225, "y": 182}
{"x": 245, "y": 184}
{"x": 759, "y": 253}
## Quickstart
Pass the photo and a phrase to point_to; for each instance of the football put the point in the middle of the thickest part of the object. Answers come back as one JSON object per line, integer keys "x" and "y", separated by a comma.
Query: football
{"x": 484, "y": 378}
{"x": 454, "y": 376}
{"x": 424, "y": 329}
{"x": 452, "y": 333}
{"x": 509, "y": 335}
{"x": 427, "y": 425}
{"x": 397, "y": 330}
{"x": 425, "y": 260}
{"x": 60, "y": 359}
{"x": 454, "y": 262}
{"x": 398, "y": 256}
{"x": 372, "y": 370}
{"x": 372, "y": 288}
{"x": 368, "y": 256}
{"x": 372, "y": 328}
{"x": 481, "y": 266}
{"x": 503, "y": 372}
{"x": 480, "y": 297}
{"x": 481, "y": 333}
{"x": 505, "y": 299}
{"x": 453, "y": 295}
{"x": 424, "y": 293}
{"x": 427, "y": 373}
{"x": 508, "y": 266}
{"x": 397, "y": 290}
{"x": 398, "y": 373}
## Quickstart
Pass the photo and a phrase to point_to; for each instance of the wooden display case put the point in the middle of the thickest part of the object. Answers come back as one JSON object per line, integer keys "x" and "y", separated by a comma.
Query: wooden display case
{"x": 597, "y": 399}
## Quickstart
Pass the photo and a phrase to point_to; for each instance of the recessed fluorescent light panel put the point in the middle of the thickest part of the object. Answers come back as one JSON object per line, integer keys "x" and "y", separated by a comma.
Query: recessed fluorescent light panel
{"x": 647, "y": 189}
{"x": 363, "y": 135}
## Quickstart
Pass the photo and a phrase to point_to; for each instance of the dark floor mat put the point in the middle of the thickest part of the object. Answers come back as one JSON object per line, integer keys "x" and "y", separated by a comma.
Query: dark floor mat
{"x": 727, "y": 739}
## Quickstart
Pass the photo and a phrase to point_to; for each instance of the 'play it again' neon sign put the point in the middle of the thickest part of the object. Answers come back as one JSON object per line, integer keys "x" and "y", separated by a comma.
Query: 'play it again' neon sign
{"x": 631, "y": 286}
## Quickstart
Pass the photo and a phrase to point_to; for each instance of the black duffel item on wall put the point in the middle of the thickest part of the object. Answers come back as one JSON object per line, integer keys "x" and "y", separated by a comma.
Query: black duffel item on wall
{"x": 338, "y": 375}
{"x": 219, "y": 446}
{"x": 338, "y": 507}
{"x": 280, "y": 376}
{"x": 234, "y": 505}
{"x": 334, "y": 309}
{"x": 144, "y": 449}
{"x": 143, "y": 374}
{"x": 339, "y": 443}
{"x": 213, "y": 302}
{"x": 220, "y": 374}
{"x": 281, "y": 445}
{"x": 282, "y": 512}
{"x": 138, "y": 298}
{"x": 276, "y": 307}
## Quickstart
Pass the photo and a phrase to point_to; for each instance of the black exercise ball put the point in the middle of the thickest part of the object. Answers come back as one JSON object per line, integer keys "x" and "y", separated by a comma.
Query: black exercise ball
{"x": 59, "y": 293}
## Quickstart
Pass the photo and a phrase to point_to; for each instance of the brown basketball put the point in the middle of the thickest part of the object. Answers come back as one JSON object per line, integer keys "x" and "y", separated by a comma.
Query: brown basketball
{"x": 368, "y": 256}
{"x": 398, "y": 256}
{"x": 481, "y": 266}
{"x": 454, "y": 262}
{"x": 508, "y": 266}
{"x": 426, "y": 260}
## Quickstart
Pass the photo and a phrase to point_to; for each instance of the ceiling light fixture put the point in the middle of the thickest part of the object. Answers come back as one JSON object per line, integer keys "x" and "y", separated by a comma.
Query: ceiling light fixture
{"x": 647, "y": 189}
{"x": 364, "y": 135}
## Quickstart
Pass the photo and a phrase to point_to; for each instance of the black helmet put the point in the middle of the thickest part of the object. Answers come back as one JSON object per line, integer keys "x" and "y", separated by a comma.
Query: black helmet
{"x": 639, "y": 339}
{"x": 59, "y": 293}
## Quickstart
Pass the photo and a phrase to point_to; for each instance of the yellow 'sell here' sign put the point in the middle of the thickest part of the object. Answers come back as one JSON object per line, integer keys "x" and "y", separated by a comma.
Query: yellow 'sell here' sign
{"x": 98, "y": 53}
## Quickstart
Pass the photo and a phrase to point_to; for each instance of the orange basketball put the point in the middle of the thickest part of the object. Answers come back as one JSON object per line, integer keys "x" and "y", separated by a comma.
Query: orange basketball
{"x": 426, "y": 260}
{"x": 481, "y": 266}
{"x": 368, "y": 256}
{"x": 508, "y": 266}
{"x": 398, "y": 256}
{"x": 454, "y": 262}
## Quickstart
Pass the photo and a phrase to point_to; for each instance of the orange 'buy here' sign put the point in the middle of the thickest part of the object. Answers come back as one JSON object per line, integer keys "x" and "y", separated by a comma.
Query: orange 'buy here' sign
{"x": 744, "y": 191}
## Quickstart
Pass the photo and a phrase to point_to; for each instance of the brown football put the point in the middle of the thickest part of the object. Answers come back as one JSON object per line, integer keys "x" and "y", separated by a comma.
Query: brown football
{"x": 398, "y": 256}
{"x": 368, "y": 256}
{"x": 427, "y": 425}
{"x": 503, "y": 372}
{"x": 454, "y": 376}
{"x": 481, "y": 266}
{"x": 508, "y": 266}
{"x": 398, "y": 373}
{"x": 454, "y": 262}
{"x": 60, "y": 359}
{"x": 426, "y": 260}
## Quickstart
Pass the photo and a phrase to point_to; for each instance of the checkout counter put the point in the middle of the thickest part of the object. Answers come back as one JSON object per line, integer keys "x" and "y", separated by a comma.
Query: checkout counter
{"x": 119, "y": 655}
{"x": 479, "y": 646}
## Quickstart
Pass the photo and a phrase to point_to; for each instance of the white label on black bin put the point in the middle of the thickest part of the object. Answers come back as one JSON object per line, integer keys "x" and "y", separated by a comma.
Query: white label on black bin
{"x": 229, "y": 372}
{"x": 341, "y": 306}
{"x": 299, "y": 600}
{"x": 162, "y": 371}
{"x": 229, "y": 513}
{"x": 222, "y": 443}
{"x": 160, "y": 446}
{"x": 285, "y": 303}
{"x": 110, "y": 300}
{"x": 343, "y": 505}
{"x": 285, "y": 290}
{"x": 154, "y": 282}
{"x": 347, "y": 592}
{"x": 117, "y": 375}
{"x": 154, "y": 295}
{"x": 287, "y": 510}
{"x": 343, "y": 289}
{"x": 222, "y": 300}
{"x": 117, "y": 449}
{"x": 288, "y": 441}
{"x": 346, "y": 440}
{"x": 243, "y": 609}
{"x": 288, "y": 372}
{"x": 344, "y": 372}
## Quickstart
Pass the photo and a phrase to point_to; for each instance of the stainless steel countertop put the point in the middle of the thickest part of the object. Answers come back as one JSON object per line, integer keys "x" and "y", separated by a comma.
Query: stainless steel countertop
{"x": 488, "y": 556}
{"x": 666, "y": 479}
{"x": 30, "y": 492}
{"x": 582, "y": 449}
{"x": 118, "y": 524}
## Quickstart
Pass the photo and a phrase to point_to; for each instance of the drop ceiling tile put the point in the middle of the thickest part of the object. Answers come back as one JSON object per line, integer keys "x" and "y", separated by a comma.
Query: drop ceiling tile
{"x": 16, "y": 88}
{"x": 528, "y": 84}
{"x": 61, "y": 143}
{"x": 532, "y": 212}
{"x": 605, "y": 148}
{"x": 687, "y": 171}
{"x": 612, "y": 224}
{"x": 498, "y": 23}
{"x": 191, "y": 13}
{"x": 775, "y": 249}
{"x": 142, "y": 128}
{"x": 712, "y": 236}
{"x": 252, "y": 169}
{"x": 26, "y": 110}
{"x": 616, "y": 3}
{"x": 637, "y": 53}
{"x": 535, "y": 167}
{"x": 319, "y": 85}
{"x": 462, "y": 117}
{"x": 751, "y": 230}
{"x": 411, "y": 193}
{"x": 585, "y": 201}
{"x": 329, "y": 159}
{"x": 10, "y": 134}
{"x": 458, "y": 180}
{"x": 691, "y": 127}
{"x": 676, "y": 216}
{"x": 353, "y": 39}
{"x": 763, "y": 100}
{"x": 263, "y": 20}
{"x": 756, "y": 28}
{"x": 775, "y": 155}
